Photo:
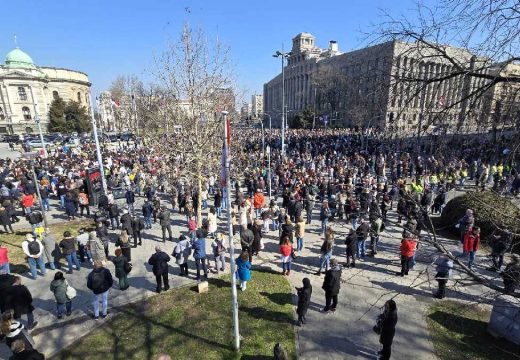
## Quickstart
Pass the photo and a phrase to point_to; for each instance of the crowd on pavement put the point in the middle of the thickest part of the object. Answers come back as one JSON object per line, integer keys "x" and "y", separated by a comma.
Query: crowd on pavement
{"x": 331, "y": 176}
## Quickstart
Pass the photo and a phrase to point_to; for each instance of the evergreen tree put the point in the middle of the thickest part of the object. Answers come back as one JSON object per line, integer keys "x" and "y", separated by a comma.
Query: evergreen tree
{"x": 68, "y": 117}
{"x": 57, "y": 121}
{"x": 77, "y": 117}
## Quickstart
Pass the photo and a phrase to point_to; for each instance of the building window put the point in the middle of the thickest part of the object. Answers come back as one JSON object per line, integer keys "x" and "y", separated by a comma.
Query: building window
{"x": 26, "y": 113}
{"x": 2, "y": 115}
{"x": 55, "y": 95}
{"x": 22, "y": 95}
{"x": 79, "y": 97}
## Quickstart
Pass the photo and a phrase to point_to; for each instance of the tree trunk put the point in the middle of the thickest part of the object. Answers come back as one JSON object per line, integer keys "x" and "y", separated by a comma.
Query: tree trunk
{"x": 199, "y": 195}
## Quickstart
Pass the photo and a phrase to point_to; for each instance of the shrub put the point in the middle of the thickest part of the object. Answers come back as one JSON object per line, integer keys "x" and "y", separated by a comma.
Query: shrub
{"x": 490, "y": 210}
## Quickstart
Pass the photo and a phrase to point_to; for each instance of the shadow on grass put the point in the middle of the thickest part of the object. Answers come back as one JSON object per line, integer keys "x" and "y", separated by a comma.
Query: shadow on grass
{"x": 261, "y": 313}
{"x": 278, "y": 298}
{"x": 458, "y": 324}
{"x": 256, "y": 357}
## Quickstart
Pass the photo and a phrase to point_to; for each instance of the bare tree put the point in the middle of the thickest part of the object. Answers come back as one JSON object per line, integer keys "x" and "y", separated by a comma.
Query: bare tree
{"x": 194, "y": 84}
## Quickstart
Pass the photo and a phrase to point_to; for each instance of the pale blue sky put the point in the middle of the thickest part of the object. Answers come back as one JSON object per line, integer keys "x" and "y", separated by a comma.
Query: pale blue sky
{"x": 111, "y": 37}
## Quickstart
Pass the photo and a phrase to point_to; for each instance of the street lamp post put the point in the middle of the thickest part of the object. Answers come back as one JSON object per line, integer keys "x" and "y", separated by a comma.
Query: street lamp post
{"x": 268, "y": 149}
{"x": 283, "y": 55}
{"x": 37, "y": 120}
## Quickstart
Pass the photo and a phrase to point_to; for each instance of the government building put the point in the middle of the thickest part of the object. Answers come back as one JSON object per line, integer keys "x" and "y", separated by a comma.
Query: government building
{"x": 27, "y": 91}
{"x": 395, "y": 86}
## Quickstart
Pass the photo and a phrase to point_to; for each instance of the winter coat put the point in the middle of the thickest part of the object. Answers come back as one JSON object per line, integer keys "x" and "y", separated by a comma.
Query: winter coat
{"x": 28, "y": 354}
{"x": 182, "y": 251}
{"x": 96, "y": 249}
{"x": 99, "y": 280}
{"x": 159, "y": 262}
{"x": 212, "y": 223}
{"x": 471, "y": 242}
{"x": 304, "y": 297}
{"x": 243, "y": 269}
{"x": 287, "y": 230}
{"x": 130, "y": 197}
{"x": 119, "y": 264}
{"x": 388, "y": 328}
{"x": 257, "y": 236}
{"x": 164, "y": 217}
{"x": 6, "y": 280}
{"x": 19, "y": 298}
{"x": 51, "y": 250}
{"x": 407, "y": 248}
{"x": 68, "y": 245}
{"x": 5, "y": 217}
{"x": 332, "y": 281}
{"x": 199, "y": 248}
{"x": 246, "y": 238}
{"x": 286, "y": 250}
{"x": 147, "y": 209}
{"x": 59, "y": 288}
{"x": 300, "y": 229}
{"x": 126, "y": 223}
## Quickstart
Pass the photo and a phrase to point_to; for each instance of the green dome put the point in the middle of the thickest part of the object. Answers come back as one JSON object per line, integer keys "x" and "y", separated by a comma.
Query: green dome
{"x": 18, "y": 58}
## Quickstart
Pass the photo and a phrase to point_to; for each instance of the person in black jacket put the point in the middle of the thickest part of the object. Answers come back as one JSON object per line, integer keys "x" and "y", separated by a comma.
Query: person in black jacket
{"x": 159, "y": 262}
{"x": 165, "y": 222}
{"x": 130, "y": 199}
{"x": 387, "y": 321}
{"x": 126, "y": 222}
{"x": 331, "y": 285}
{"x": 304, "y": 298}
{"x": 23, "y": 352}
{"x": 6, "y": 280}
{"x": 100, "y": 281}
{"x": 19, "y": 299}
{"x": 113, "y": 214}
{"x": 137, "y": 227}
{"x": 246, "y": 240}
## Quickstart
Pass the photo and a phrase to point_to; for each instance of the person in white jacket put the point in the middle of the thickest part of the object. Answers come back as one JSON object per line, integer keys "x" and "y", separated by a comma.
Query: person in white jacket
{"x": 33, "y": 248}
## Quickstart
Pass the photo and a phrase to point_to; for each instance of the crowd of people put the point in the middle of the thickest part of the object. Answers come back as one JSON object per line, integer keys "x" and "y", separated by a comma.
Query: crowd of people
{"x": 333, "y": 177}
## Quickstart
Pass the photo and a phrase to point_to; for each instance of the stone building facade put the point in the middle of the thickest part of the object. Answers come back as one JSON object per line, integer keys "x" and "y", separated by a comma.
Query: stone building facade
{"x": 392, "y": 85}
{"x": 257, "y": 105}
{"x": 27, "y": 90}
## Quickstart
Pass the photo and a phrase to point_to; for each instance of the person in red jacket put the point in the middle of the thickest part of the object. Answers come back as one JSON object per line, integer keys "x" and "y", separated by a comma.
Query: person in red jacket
{"x": 471, "y": 244}
{"x": 407, "y": 249}
{"x": 286, "y": 251}
{"x": 27, "y": 203}
{"x": 258, "y": 202}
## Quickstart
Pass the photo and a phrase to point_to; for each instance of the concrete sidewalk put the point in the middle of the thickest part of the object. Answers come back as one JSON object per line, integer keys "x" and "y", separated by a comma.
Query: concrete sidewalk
{"x": 345, "y": 334}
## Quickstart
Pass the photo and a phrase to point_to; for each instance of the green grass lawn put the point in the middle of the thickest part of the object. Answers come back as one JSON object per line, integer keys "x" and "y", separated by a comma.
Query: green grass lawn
{"x": 188, "y": 325}
{"x": 13, "y": 242}
{"x": 459, "y": 332}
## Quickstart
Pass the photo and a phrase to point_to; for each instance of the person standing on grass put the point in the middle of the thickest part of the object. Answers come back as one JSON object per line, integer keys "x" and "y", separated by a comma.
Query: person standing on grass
{"x": 121, "y": 266}
{"x": 304, "y": 299}
{"x": 331, "y": 285}
{"x": 33, "y": 248}
{"x": 471, "y": 244}
{"x": 159, "y": 262}
{"x": 19, "y": 298}
{"x": 59, "y": 289}
{"x": 68, "y": 244}
{"x": 219, "y": 253}
{"x": 243, "y": 269}
{"x": 100, "y": 281}
{"x": 388, "y": 321}
{"x": 285, "y": 252}
{"x": 199, "y": 254}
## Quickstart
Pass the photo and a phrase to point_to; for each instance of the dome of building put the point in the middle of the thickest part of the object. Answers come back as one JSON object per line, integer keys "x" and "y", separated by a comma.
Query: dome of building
{"x": 18, "y": 58}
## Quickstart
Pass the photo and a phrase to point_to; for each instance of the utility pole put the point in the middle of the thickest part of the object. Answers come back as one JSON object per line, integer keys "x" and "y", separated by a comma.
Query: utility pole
{"x": 268, "y": 149}
{"x": 35, "y": 179}
{"x": 227, "y": 182}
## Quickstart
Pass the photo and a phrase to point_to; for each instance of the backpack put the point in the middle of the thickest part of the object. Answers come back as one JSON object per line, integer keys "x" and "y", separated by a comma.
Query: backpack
{"x": 98, "y": 280}
{"x": 34, "y": 247}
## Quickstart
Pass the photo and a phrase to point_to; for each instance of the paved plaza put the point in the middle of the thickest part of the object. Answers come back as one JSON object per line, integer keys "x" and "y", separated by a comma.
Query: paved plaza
{"x": 347, "y": 333}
